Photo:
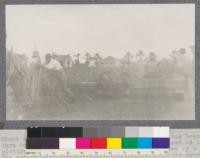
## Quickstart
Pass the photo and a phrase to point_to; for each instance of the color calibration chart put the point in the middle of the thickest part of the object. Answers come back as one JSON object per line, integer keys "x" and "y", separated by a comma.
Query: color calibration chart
{"x": 95, "y": 141}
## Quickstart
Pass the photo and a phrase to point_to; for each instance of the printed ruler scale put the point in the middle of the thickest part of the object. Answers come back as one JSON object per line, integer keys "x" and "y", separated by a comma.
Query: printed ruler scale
{"x": 94, "y": 153}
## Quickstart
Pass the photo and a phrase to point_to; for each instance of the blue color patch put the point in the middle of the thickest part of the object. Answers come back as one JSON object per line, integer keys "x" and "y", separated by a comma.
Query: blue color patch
{"x": 144, "y": 143}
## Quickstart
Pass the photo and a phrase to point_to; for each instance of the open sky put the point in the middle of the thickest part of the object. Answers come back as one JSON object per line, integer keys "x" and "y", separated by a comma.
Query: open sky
{"x": 105, "y": 29}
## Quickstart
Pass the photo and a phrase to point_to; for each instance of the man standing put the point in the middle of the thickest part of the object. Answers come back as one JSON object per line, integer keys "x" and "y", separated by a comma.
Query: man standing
{"x": 140, "y": 64}
{"x": 184, "y": 69}
{"x": 34, "y": 76}
{"x": 57, "y": 80}
{"x": 151, "y": 65}
{"x": 51, "y": 63}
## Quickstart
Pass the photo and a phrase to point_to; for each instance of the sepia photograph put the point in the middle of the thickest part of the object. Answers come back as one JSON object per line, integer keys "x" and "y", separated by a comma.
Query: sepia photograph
{"x": 100, "y": 62}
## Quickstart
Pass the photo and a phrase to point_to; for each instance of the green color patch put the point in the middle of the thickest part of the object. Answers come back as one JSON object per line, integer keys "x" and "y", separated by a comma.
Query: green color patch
{"x": 129, "y": 143}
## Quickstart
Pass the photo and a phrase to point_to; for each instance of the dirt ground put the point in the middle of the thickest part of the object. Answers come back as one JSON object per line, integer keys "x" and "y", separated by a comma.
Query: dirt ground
{"x": 110, "y": 109}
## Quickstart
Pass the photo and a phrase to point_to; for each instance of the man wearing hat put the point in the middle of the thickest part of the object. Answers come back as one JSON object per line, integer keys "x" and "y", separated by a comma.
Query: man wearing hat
{"x": 36, "y": 56}
{"x": 182, "y": 59}
{"x": 51, "y": 63}
{"x": 139, "y": 64}
{"x": 184, "y": 68}
{"x": 34, "y": 76}
{"x": 150, "y": 65}
{"x": 139, "y": 56}
{"x": 56, "y": 77}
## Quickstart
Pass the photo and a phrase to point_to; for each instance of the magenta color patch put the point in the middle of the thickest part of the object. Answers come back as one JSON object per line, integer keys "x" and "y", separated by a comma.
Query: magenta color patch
{"x": 83, "y": 143}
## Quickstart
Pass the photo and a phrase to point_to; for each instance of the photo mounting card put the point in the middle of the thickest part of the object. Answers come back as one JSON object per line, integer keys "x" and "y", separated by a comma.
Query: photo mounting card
{"x": 100, "y": 62}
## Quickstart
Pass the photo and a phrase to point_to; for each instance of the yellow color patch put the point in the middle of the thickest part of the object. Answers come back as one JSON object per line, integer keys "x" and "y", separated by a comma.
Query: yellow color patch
{"x": 114, "y": 143}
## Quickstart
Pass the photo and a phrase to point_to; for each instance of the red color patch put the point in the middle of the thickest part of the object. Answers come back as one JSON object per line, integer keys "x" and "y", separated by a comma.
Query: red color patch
{"x": 99, "y": 143}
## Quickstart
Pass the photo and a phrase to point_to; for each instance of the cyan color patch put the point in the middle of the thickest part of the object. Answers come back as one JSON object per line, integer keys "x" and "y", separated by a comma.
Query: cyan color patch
{"x": 144, "y": 143}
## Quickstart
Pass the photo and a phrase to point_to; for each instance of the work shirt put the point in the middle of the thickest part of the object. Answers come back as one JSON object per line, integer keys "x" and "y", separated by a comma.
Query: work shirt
{"x": 53, "y": 65}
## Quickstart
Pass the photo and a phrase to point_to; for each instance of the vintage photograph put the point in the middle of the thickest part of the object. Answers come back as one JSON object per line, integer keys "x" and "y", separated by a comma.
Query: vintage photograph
{"x": 100, "y": 62}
